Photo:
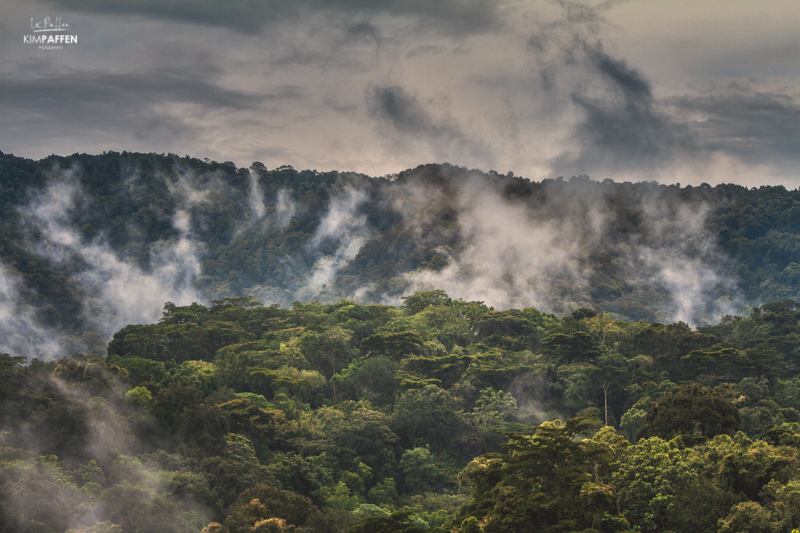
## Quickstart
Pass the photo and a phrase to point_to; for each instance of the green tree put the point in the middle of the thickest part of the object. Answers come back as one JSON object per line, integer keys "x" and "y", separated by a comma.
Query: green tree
{"x": 329, "y": 350}
{"x": 268, "y": 508}
{"x": 649, "y": 481}
{"x": 542, "y": 482}
{"x": 570, "y": 348}
{"x": 427, "y": 416}
{"x": 398, "y": 522}
{"x": 173, "y": 401}
{"x": 396, "y": 346}
{"x": 693, "y": 411}
{"x": 8, "y": 371}
{"x": 420, "y": 300}
{"x": 423, "y": 472}
{"x": 747, "y": 517}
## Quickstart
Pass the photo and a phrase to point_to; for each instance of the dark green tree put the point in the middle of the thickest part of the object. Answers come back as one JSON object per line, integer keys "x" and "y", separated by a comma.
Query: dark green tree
{"x": 691, "y": 411}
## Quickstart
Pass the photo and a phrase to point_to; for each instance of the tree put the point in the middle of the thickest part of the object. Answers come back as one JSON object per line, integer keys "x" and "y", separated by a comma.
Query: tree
{"x": 422, "y": 299}
{"x": 329, "y": 350}
{"x": 571, "y": 348}
{"x": 234, "y": 470}
{"x": 747, "y": 517}
{"x": 690, "y": 410}
{"x": 423, "y": 472}
{"x": 203, "y": 430}
{"x": 173, "y": 314}
{"x": 394, "y": 345}
{"x": 427, "y": 416}
{"x": 399, "y": 522}
{"x": 547, "y": 481}
{"x": 173, "y": 401}
{"x": 8, "y": 369}
{"x": 649, "y": 480}
{"x": 353, "y": 433}
{"x": 717, "y": 363}
{"x": 374, "y": 379}
{"x": 611, "y": 373}
{"x": 265, "y": 505}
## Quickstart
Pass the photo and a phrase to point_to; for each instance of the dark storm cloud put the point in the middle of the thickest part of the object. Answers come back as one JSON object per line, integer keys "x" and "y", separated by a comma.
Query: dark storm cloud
{"x": 134, "y": 103}
{"x": 381, "y": 85}
{"x": 407, "y": 119}
{"x": 626, "y": 128}
{"x": 101, "y": 92}
{"x": 622, "y": 128}
{"x": 363, "y": 31}
{"x": 628, "y": 80}
{"x": 404, "y": 113}
{"x": 337, "y": 46}
{"x": 757, "y": 127}
{"x": 579, "y": 12}
{"x": 250, "y": 16}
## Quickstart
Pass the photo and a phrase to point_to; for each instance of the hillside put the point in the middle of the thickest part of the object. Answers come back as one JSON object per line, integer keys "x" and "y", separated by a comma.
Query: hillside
{"x": 440, "y": 415}
{"x": 89, "y": 244}
{"x": 440, "y": 350}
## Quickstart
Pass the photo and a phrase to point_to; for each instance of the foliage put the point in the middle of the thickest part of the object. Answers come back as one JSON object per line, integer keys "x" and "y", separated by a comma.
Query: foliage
{"x": 690, "y": 411}
{"x": 130, "y": 202}
{"x": 443, "y": 415}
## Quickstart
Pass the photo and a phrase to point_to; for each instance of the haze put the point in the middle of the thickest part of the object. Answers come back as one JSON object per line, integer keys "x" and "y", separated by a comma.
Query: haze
{"x": 685, "y": 92}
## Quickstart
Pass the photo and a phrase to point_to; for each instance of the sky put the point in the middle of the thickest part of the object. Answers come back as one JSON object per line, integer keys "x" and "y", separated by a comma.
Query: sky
{"x": 665, "y": 90}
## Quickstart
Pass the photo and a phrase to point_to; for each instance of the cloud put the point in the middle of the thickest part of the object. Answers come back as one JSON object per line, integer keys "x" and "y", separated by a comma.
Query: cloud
{"x": 512, "y": 257}
{"x": 754, "y": 126}
{"x": 406, "y": 120}
{"x": 249, "y": 16}
{"x": 154, "y": 108}
{"x": 256, "y": 197}
{"x": 541, "y": 89}
{"x": 59, "y": 492}
{"x": 617, "y": 123}
{"x": 560, "y": 245}
{"x": 121, "y": 93}
{"x": 117, "y": 100}
{"x": 117, "y": 291}
{"x": 20, "y": 332}
{"x": 680, "y": 258}
{"x": 285, "y": 208}
{"x": 344, "y": 227}
{"x": 622, "y": 129}
{"x": 404, "y": 113}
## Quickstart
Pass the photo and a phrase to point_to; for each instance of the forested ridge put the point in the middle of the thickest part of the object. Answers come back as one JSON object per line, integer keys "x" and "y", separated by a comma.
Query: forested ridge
{"x": 194, "y": 230}
{"x": 438, "y": 415}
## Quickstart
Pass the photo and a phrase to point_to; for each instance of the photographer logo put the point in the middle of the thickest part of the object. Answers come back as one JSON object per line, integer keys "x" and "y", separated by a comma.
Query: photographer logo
{"x": 50, "y": 34}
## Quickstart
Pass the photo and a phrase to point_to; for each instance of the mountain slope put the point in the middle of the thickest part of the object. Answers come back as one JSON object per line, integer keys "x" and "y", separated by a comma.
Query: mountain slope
{"x": 89, "y": 244}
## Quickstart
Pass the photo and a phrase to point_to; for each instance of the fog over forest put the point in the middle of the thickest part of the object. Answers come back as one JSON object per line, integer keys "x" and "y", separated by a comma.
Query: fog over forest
{"x": 399, "y": 266}
{"x": 626, "y": 94}
{"x": 94, "y": 243}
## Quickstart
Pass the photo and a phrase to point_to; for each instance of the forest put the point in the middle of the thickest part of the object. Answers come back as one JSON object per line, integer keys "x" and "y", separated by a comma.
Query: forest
{"x": 437, "y": 415}
{"x": 92, "y": 243}
{"x": 188, "y": 346}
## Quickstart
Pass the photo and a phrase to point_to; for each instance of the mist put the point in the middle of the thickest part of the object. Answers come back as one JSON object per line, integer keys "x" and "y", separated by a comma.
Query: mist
{"x": 542, "y": 252}
{"x": 20, "y": 332}
{"x": 83, "y": 465}
{"x": 190, "y": 231}
{"x": 117, "y": 291}
{"x": 552, "y": 140}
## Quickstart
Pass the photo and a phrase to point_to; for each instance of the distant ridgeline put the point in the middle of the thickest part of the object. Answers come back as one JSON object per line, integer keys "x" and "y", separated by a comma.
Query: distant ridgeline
{"x": 79, "y": 233}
